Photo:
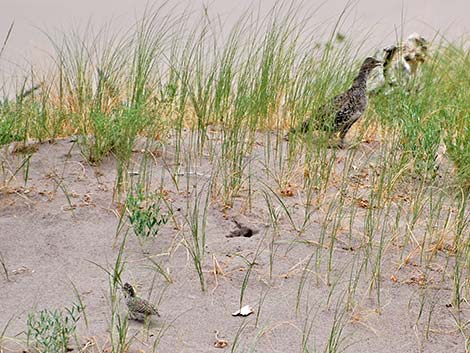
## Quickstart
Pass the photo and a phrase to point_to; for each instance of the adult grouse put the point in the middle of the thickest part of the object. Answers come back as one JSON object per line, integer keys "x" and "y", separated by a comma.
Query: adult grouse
{"x": 338, "y": 115}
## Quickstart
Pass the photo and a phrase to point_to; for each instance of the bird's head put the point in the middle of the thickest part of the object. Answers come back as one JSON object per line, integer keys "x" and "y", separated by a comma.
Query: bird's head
{"x": 370, "y": 63}
{"x": 416, "y": 40}
{"x": 389, "y": 52}
{"x": 129, "y": 291}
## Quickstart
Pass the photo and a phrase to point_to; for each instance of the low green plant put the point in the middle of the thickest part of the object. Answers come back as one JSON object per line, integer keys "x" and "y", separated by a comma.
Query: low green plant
{"x": 144, "y": 212}
{"x": 50, "y": 331}
{"x": 9, "y": 132}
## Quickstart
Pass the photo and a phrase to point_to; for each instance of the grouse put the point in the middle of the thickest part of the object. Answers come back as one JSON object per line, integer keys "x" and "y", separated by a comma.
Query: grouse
{"x": 339, "y": 114}
{"x": 139, "y": 309}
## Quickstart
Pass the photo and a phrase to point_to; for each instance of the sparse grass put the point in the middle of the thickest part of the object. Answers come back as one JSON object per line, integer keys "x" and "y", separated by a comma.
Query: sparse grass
{"x": 2, "y": 334}
{"x": 4, "y": 267}
{"x": 118, "y": 325}
{"x": 195, "y": 242}
{"x": 380, "y": 208}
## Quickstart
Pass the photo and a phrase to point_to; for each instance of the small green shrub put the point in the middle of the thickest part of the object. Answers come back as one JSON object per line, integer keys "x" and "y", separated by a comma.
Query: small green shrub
{"x": 50, "y": 331}
{"x": 144, "y": 212}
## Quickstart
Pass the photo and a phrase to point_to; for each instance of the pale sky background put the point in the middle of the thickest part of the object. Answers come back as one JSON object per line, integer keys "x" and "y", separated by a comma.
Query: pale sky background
{"x": 450, "y": 17}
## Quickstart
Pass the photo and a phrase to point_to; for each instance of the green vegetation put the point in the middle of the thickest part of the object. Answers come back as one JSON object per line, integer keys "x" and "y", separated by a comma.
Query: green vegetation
{"x": 223, "y": 103}
{"x": 144, "y": 212}
{"x": 51, "y": 331}
{"x": 164, "y": 75}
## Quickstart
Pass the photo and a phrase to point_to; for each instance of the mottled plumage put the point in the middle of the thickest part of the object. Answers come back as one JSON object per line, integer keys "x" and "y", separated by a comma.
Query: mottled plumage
{"x": 344, "y": 110}
{"x": 139, "y": 309}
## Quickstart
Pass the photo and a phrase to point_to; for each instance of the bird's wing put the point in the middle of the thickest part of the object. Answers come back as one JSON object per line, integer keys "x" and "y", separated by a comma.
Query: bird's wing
{"x": 325, "y": 116}
{"x": 142, "y": 306}
{"x": 345, "y": 112}
{"x": 149, "y": 308}
{"x": 328, "y": 113}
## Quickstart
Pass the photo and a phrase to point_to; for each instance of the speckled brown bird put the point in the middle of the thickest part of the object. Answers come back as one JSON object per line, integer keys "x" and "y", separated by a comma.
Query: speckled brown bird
{"x": 338, "y": 115}
{"x": 139, "y": 309}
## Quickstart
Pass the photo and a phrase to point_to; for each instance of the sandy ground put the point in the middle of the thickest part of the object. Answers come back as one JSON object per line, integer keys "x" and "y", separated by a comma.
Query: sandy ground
{"x": 47, "y": 245}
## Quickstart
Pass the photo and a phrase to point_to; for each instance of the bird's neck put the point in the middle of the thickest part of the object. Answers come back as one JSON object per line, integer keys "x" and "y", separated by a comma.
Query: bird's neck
{"x": 360, "y": 82}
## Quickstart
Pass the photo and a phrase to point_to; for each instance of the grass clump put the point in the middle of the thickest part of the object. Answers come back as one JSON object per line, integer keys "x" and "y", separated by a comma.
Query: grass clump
{"x": 431, "y": 114}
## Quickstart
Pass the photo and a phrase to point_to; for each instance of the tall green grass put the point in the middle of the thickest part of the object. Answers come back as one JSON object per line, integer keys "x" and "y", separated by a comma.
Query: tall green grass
{"x": 168, "y": 72}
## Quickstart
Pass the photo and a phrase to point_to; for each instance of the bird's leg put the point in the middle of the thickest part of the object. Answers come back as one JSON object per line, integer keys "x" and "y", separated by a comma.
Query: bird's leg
{"x": 337, "y": 144}
{"x": 147, "y": 319}
{"x": 342, "y": 144}
{"x": 305, "y": 127}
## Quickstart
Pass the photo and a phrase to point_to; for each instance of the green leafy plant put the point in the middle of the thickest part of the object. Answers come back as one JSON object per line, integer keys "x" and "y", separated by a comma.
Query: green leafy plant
{"x": 50, "y": 331}
{"x": 144, "y": 212}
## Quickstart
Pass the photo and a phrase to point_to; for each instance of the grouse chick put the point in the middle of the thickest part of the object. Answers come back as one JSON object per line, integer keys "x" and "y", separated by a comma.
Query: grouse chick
{"x": 139, "y": 309}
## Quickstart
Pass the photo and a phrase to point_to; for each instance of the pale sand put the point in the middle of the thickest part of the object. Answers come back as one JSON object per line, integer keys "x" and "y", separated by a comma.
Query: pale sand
{"x": 46, "y": 247}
